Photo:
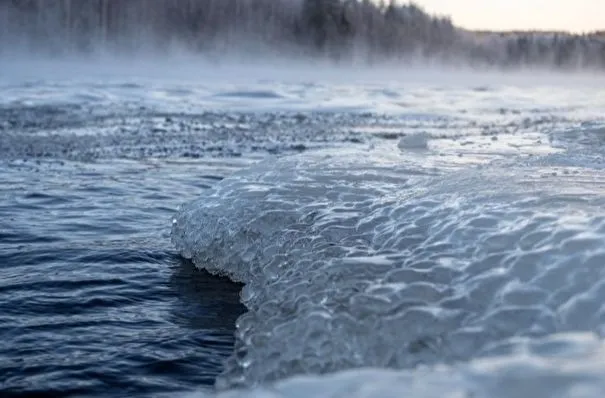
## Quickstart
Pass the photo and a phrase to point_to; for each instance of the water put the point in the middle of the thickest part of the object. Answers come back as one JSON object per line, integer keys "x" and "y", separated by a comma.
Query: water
{"x": 93, "y": 298}
{"x": 447, "y": 229}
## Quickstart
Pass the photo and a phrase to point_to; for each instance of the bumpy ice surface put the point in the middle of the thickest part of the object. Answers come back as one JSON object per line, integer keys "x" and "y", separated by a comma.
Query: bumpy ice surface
{"x": 558, "y": 366}
{"x": 380, "y": 259}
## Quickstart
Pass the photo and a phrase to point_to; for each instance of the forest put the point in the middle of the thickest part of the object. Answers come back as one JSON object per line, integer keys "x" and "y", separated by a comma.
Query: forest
{"x": 361, "y": 31}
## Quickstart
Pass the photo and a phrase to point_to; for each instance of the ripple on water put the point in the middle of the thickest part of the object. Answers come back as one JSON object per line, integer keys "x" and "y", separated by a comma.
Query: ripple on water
{"x": 85, "y": 320}
{"x": 93, "y": 300}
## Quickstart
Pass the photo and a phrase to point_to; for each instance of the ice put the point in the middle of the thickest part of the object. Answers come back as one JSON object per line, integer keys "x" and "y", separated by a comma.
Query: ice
{"x": 414, "y": 141}
{"x": 357, "y": 259}
{"x": 558, "y": 366}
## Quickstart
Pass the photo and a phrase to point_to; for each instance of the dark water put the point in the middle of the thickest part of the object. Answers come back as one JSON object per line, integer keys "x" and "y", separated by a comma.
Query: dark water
{"x": 93, "y": 298}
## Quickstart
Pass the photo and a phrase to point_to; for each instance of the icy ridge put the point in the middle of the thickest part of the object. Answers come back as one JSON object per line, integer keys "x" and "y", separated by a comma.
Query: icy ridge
{"x": 365, "y": 259}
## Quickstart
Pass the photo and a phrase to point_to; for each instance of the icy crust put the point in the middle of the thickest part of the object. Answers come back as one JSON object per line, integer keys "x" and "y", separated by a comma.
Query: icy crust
{"x": 560, "y": 366}
{"x": 371, "y": 260}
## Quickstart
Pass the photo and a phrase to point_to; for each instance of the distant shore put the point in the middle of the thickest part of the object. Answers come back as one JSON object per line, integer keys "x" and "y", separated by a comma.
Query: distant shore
{"x": 339, "y": 30}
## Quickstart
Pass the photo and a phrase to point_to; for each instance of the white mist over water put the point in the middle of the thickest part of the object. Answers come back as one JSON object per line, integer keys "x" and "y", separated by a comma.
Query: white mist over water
{"x": 277, "y": 84}
{"x": 342, "y": 31}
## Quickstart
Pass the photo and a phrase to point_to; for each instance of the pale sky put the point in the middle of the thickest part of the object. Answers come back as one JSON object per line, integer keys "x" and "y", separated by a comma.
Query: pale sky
{"x": 570, "y": 15}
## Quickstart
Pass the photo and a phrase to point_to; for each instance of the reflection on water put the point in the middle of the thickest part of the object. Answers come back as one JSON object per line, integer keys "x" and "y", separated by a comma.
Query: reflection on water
{"x": 206, "y": 302}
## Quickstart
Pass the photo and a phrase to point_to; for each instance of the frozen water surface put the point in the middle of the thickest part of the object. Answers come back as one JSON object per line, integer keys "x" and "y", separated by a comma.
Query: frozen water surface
{"x": 419, "y": 234}
{"x": 393, "y": 258}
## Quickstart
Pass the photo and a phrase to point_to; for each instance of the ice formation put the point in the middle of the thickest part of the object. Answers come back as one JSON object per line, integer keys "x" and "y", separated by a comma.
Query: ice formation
{"x": 373, "y": 259}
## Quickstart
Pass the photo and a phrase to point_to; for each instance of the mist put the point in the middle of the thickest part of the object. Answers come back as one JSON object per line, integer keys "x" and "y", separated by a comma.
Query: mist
{"x": 349, "y": 34}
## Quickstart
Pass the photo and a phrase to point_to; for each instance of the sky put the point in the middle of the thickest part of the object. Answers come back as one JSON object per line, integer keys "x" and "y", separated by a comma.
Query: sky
{"x": 567, "y": 15}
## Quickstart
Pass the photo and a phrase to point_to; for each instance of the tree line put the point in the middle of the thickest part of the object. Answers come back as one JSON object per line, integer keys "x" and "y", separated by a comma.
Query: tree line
{"x": 341, "y": 30}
